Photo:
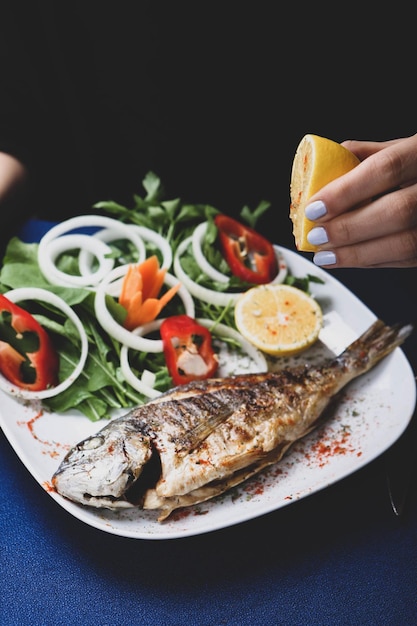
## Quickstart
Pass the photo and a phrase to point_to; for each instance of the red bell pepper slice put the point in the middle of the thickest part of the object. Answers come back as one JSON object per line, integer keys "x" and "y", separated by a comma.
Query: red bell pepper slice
{"x": 188, "y": 350}
{"x": 249, "y": 255}
{"x": 27, "y": 356}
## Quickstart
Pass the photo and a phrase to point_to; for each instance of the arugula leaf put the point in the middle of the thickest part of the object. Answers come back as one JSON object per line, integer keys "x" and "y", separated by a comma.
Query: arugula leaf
{"x": 303, "y": 283}
{"x": 101, "y": 388}
{"x": 152, "y": 185}
{"x": 251, "y": 217}
{"x": 19, "y": 252}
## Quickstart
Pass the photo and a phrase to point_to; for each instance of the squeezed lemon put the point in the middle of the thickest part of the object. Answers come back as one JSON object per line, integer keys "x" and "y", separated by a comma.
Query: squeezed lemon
{"x": 316, "y": 163}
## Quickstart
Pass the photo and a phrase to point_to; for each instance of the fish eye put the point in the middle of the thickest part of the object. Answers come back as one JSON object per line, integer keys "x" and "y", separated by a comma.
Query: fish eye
{"x": 91, "y": 443}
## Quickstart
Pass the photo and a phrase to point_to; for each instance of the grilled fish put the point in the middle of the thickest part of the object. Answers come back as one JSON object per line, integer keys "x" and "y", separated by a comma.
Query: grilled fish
{"x": 200, "y": 439}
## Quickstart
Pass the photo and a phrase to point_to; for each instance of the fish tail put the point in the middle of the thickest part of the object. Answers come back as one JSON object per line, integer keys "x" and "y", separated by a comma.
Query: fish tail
{"x": 373, "y": 345}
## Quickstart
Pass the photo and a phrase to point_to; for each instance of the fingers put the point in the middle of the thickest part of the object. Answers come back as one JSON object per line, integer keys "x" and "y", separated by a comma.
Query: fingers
{"x": 399, "y": 250}
{"x": 384, "y": 170}
{"x": 364, "y": 149}
{"x": 380, "y": 234}
{"x": 368, "y": 217}
{"x": 389, "y": 214}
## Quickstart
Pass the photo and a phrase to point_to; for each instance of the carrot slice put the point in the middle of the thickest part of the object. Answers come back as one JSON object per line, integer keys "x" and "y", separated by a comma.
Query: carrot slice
{"x": 168, "y": 295}
{"x": 139, "y": 293}
{"x": 132, "y": 283}
{"x": 151, "y": 280}
{"x": 142, "y": 313}
{"x": 149, "y": 310}
{"x": 152, "y": 289}
{"x": 134, "y": 306}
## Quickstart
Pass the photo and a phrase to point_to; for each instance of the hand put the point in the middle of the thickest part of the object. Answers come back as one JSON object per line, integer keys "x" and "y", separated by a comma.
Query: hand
{"x": 368, "y": 217}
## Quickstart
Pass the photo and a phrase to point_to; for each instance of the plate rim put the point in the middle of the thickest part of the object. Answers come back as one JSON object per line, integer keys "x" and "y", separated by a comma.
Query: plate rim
{"x": 94, "y": 517}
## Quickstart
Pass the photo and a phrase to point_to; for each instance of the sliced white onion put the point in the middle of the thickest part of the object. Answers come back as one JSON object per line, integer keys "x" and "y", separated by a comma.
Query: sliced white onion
{"x": 93, "y": 246}
{"x": 119, "y": 229}
{"x": 145, "y": 385}
{"x": 42, "y": 295}
{"x": 197, "y": 240}
{"x": 85, "y": 258}
{"x": 282, "y": 267}
{"x": 161, "y": 242}
{"x": 148, "y": 378}
{"x": 213, "y": 273}
{"x": 121, "y": 334}
{"x": 219, "y": 298}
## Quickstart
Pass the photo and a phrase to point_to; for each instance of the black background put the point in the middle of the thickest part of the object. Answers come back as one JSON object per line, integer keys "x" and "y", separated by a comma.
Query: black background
{"x": 212, "y": 96}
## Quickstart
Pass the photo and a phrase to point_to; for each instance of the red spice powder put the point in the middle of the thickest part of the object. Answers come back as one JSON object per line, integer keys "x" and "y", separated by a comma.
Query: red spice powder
{"x": 255, "y": 488}
{"x": 53, "y": 446}
{"x": 341, "y": 444}
{"x": 31, "y": 425}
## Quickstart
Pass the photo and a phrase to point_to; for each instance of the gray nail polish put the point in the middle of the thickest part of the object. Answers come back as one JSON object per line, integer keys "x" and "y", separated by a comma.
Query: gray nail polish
{"x": 317, "y": 236}
{"x": 324, "y": 258}
{"x": 315, "y": 210}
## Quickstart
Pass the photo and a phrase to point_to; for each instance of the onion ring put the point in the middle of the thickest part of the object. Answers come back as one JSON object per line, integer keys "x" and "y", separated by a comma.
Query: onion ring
{"x": 92, "y": 246}
{"x": 214, "y": 274}
{"x": 197, "y": 240}
{"x": 139, "y": 384}
{"x": 108, "y": 234}
{"x": 35, "y": 293}
{"x": 221, "y": 330}
{"x": 219, "y": 298}
{"x": 282, "y": 267}
{"x": 151, "y": 235}
{"x": 52, "y": 274}
{"x": 124, "y": 336}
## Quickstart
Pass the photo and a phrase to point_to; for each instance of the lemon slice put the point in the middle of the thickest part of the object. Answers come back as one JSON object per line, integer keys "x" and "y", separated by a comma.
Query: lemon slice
{"x": 278, "y": 319}
{"x": 316, "y": 163}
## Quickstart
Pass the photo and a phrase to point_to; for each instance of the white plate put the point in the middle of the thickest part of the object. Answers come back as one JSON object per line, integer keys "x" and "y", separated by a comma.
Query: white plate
{"x": 373, "y": 412}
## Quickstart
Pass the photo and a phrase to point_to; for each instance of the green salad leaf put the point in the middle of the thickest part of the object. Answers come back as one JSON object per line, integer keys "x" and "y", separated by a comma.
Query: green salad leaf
{"x": 101, "y": 388}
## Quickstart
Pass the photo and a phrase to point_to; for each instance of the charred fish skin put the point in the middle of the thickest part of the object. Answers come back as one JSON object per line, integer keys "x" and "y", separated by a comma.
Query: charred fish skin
{"x": 100, "y": 469}
{"x": 207, "y": 436}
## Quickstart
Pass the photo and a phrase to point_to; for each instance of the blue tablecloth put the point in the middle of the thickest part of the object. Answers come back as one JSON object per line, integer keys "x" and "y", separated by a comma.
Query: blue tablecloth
{"x": 339, "y": 557}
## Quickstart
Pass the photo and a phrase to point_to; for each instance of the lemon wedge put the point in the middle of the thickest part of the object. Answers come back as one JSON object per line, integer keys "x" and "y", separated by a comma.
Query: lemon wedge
{"x": 279, "y": 320}
{"x": 316, "y": 163}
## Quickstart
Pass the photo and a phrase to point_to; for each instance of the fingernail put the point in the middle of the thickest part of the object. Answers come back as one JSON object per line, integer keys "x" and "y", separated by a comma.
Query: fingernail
{"x": 315, "y": 210}
{"x": 324, "y": 258}
{"x": 317, "y": 236}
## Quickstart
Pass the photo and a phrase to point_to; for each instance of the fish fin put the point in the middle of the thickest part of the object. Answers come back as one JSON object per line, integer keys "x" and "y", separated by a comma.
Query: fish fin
{"x": 167, "y": 505}
{"x": 373, "y": 345}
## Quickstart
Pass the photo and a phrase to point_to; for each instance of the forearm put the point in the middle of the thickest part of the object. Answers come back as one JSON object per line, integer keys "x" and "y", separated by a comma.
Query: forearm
{"x": 13, "y": 177}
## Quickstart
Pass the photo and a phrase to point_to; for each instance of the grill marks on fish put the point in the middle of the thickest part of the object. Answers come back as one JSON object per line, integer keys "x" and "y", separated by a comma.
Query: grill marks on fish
{"x": 182, "y": 423}
{"x": 199, "y": 440}
{"x": 272, "y": 412}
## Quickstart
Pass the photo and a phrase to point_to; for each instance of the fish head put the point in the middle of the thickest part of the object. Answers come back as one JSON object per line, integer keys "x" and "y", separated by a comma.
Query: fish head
{"x": 100, "y": 470}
